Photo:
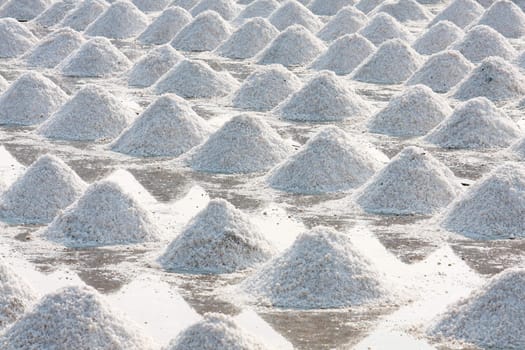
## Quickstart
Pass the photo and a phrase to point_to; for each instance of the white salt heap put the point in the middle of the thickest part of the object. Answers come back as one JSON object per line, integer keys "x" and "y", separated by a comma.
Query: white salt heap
{"x": 153, "y": 65}
{"x": 37, "y": 196}
{"x": 55, "y": 13}
{"x": 330, "y": 161}
{"x": 244, "y": 144}
{"x": 328, "y": 7}
{"x": 481, "y": 42}
{"x": 437, "y": 38}
{"x": 24, "y": 10}
{"x": 151, "y": 6}
{"x": 265, "y": 88}
{"x": 10, "y": 169}
{"x": 291, "y": 13}
{"x": 54, "y": 48}
{"x": 185, "y": 4}
{"x": 460, "y": 12}
{"x": 413, "y": 182}
{"x": 404, "y": 10}
{"x": 383, "y": 27}
{"x": 85, "y": 13}
{"x": 74, "y": 318}
{"x": 16, "y": 38}
{"x": 226, "y": 8}
{"x": 30, "y": 100}
{"x": 3, "y": 84}
{"x": 347, "y": 21}
{"x": 368, "y": 5}
{"x": 165, "y": 27}
{"x": 258, "y": 8}
{"x": 505, "y": 17}
{"x": 168, "y": 127}
{"x": 121, "y": 20}
{"x": 207, "y": 31}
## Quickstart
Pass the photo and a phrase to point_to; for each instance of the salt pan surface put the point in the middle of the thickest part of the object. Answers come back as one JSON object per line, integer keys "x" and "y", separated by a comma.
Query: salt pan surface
{"x": 226, "y": 8}
{"x": 460, "y": 12}
{"x": 166, "y": 26}
{"x": 121, "y": 20}
{"x": 16, "y": 38}
{"x": 481, "y": 42}
{"x": 437, "y": 38}
{"x": 383, "y": 27}
{"x": 347, "y": 21}
{"x": 505, "y": 17}
{"x": 85, "y": 13}
{"x": 54, "y": 48}
{"x": 153, "y": 65}
{"x": 291, "y": 13}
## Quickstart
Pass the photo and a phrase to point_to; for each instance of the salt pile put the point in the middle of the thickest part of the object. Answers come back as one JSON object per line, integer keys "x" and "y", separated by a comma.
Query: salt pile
{"x": 24, "y": 10}
{"x": 291, "y": 13}
{"x": 437, "y": 38}
{"x": 195, "y": 79}
{"x": 347, "y": 21}
{"x": 168, "y": 127}
{"x": 392, "y": 63}
{"x": 323, "y": 98}
{"x": 3, "y": 84}
{"x": 331, "y": 161}
{"x": 404, "y": 10}
{"x": 244, "y": 144}
{"x": 505, "y": 17}
{"x": 165, "y": 27}
{"x": 37, "y": 196}
{"x": 150, "y": 6}
{"x": 207, "y": 31}
{"x": 226, "y": 8}
{"x": 121, "y": 20}
{"x": 54, "y": 48}
{"x": 328, "y": 7}
{"x": 74, "y": 318}
{"x": 16, "y": 38}
{"x": 153, "y": 65}
{"x": 85, "y": 13}
{"x": 185, "y": 4}
{"x": 413, "y": 182}
{"x": 30, "y": 100}
{"x": 95, "y": 58}
{"x": 248, "y": 40}
{"x": 55, "y": 13}
{"x": 481, "y": 42}
{"x": 367, "y": 5}
{"x": 295, "y": 46}
{"x": 10, "y": 169}
{"x": 258, "y": 8}
{"x": 383, "y": 27}
{"x": 460, "y": 12}
{"x": 265, "y": 88}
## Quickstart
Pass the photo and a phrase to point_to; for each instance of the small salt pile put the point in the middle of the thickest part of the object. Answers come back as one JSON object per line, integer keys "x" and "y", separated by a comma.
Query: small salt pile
{"x": 10, "y": 169}
{"x": 54, "y": 48}
{"x": 331, "y": 161}
{"x": 122, "y": 20}
{"x": 24, "y": 10}
{"x": 185, "y": 4}
{"x": 460, "y": 12}
{"x": 16, "y": 38}
{"x": 392, "y": 63}
{"x": 347, "y": 21}
{"x": 85, "y": 13}
{"x": 74, "y": 318}
{"x": 291, "y": 13}
{"x": 195, "y": 79}
{"x": 324, "y": 98}
{"x": 404, "y": 10}
{"x": 258, "y": 8}
{"x": 437, "y": 38}
{"x": 413, "y": 182}
{"x": 505, "y": 17}
{"x": 153, "y": 65}
{"x": 481, "y": 42}
{"x": 207, "y": 31}
{"x": 30, "y": 100}
{"x": 368, "y": 5}
{"x": 165, "y": 27}
{"x": 383, "y": 27}
{"x": 295, "y": 46}
{"x": 226, "y": 8}
{"x": 95, "y": 58}
{"x": 55, "y": 13}
{"x": 244, "y": 144}
{"x": 37, "y": 196}
{"x": 328, "y": 7}
{"x": 151, "y": 6}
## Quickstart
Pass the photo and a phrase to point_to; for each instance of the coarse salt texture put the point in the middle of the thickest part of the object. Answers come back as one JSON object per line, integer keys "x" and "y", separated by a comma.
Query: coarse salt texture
{"x": 165, "y": 26}
{"x": 328, "y": 7}
{"x": 122, "y": 20}
{"x": 24, "y": 10}
{"x": 460, "y": 12}
{"x": 505, "y": 17}
{"x": 347, "y": 21}
{"x": 383, "y": 27}
{"x": 151, "y": 6}
{"x": 10, "y": 169}
{"x": 54, "y": 48}
{"x": 85, "y": 13}
{"x": 55, "y": 13}
{"x": 228, "y": 9}
{"x": 291, "y": 12}
{"x": 481, "y": 42}
{"x": 437, "y": 38}
{"x": 403, "y": 10}
{"x": 154, "y": 64}
{"x": 16, "y": 38}
{"x": 258, "y": 8}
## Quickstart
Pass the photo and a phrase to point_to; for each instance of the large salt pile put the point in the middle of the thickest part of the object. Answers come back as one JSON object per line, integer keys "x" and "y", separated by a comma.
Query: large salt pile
{"x": 55, "y": 13}
{"x": 85, "y": 13}
{"x": 74, "y": 318}
{"x": 368, "y": 5}
{"x": 347, "y": 21}
{"x": 392, "y": 63}
{"x": 258, "y": 8}
{"x": 24, "y": 10}
{"x": 166, "y": 26}
{"x": 16, "y": 39}
{"x": 195, "y": 79}
{"x": 481, "y": 42}
{"x": 10, "y": 169}
{"x": 30, "y": 100}
{"x": 328, "y": 7}
{"x": 383, "y": 27}
{"x": 437, "y": 38}
{"x": 265, "y": 88}
{"x": 295, "y": 46}
{"x": 324, "y": 98}
{"x": 505, "y": 17}
{"x": 207, "y": 31}
{"x": 47, "y": 187}
{"x": 330, "y": 161}
{"x": 168, "y": 127}
{"x": 151, "y": 6}
{"x": 244, "y": 144}
{"x": 226, "y": 8}
{"x": 54, "y": 48}
{"x": 413, "y": 182}
{"x": 291, "y": 13}
{"x": 460, "y": 12}
{"x": 95, "y": 58}
{"x": 153, "y": 65}
{"x": 404, "y": 10}
{"x": 121, "y": 20}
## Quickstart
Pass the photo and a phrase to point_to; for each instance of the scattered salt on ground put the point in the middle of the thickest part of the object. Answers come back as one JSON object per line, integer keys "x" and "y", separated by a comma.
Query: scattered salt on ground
{"x": 295, "y": 46}
{"x": 328, "y": 7}
{"x": 54, "y": 48}
{"x": 195, "y": 79}
{"x": 413, "y": 182}
{"x": 10, "y": 169}
{"x": 16, "y": 38}
{"x": 149, "y": 6}
{"x": 404, "y": 10}
{"x": 168, "y": 127}
{"x": 74, "y": 318}
{"x": 207, "y": 31}
{"x": 166, "y": 26}
{"x": 121, "y": 20}
{"x": 95, "y": 58}
{"x": 324, "y": 98}
{"x": 153, "y": 65}
{"x": 258, "y": 8}
{"x": 24, "y": 10}
{"x": 37, "y": 196}
{"x": 291, "y": 13}
{"x": 244, "y": 144}
{"x": 331, "y": 161}
{"x": 413, "y": 112}
{"x": 505, "y": 17}
{"x": 475, "y": 124}
{"x": 347, "y": 21}
{"x": 55, "y": 13}
{"x": 460, "y": 12}
{"x": 265, "y": 88}
{"x": 30, "y": 100}
{"x": 185, "y": 4}
{"x": 367, "y": 5}
{"x": 383, "y": 27}
{"x": 437, "y": 38}
{"x": 85, "y": 13}
{"x": 226, "y": 8}
{"x": 392, "y": 63}
{"x": 481, "y": 42}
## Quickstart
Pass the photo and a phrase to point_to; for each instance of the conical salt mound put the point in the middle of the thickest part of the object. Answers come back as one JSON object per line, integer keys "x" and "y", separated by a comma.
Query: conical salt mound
{"x": 413, "y": 182}
{"x": 168, "y": 127}
{"x": 185, "y": 4}
{"x": 30, "y": 100}
{"x": 328, "y": 7}
{"x": 368, "y": 5}
{"x": 207, "y": 31}
{"x": 322, "y": 269}
{"x": 10, "y": 169}
{"x": 383, "y": 27}
{"x": 442, "y": 71}
{"x": 291, "y": 13}
{"x": 226, "y": 8}
{"x": 460, "y": 12}
{"x": 258, "y": 8}
{"x": 437, "y": 38}
{"x": 24, "y": 10}
{"x": 151, "y": 6}
{"x": 92, "y": 114}
{"x": 55, "y": 13}
{"x": 347, "y": 21}
{"x": 331, "y": 161}
{"x": 95, "y": 58}
{"x": 392, "y": 63}
{"x": 74, "y": 318}
{"x": 47, "y": 187}
{"x": 85, "y": 13}
{"x": 404, "y": 10}
{"x": 265, "y": 88}
{"x": 16, "y": 38}
{"x": 481, "y": 42}
{"x": 195, "y": 79}
{"x": 165, "y": 27}
{"x": 54, "y": 48}
{"x": 414, "y": 112}
{"x": 153, "y": 65}
{"x": 121, "y": 20}
{"x": 495, "y": 79}
{"x": 324, "y": 98}
{"x": 505, "y": 17}
{"x": 244, "y": 144}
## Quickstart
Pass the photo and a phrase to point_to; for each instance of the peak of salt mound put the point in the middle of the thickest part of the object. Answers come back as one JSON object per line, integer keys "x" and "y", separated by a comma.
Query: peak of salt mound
{"x": 368, "y": 5}
{"x": 10, "y": 169}
{"x": 392, "y": 63}
{"x": 54, "y": 48}
{"x": 383, "y": 27}
{"x": 195, "y": 79}
{"x": 295, "y": 46}
{"x": 258, "y": 8}
{"x": 404, "y": 10}
{"x": 481, "y": 42}
{"x": 150, "y": 6}
{"x": 153, "y": 65}
{"x": 185, "y": 4}
{"x": 84, "y": 14}
{"x": 291, "y": 13}
{"x": 437, "y": 38}
{"x": 328, "y": 7}
{"x": 16, "y": 38}
{"x": 505, "y": 17}
{"x": 95, "y": 58}
{"x": 166, "y": 26}
{"x": 30, "y": 100}
{"x": 244, "y": 144}
{"x": 207, "y": 31}
{"x": 38, "y": 195}
{"x": 122, "y": 20}
{"x": 347, "y": 21}
{"x": 413, "y": 182}
{"x": 55, "y": 13}
{"x": 226, "y": 8}
{"x": 24, "y": 10}
{"x": 460, "y": 12}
